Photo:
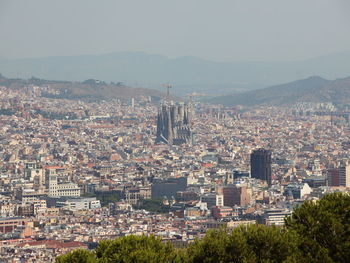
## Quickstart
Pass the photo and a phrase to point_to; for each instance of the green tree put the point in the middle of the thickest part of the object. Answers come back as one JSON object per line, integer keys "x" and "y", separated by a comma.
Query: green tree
{"x": 324, "y": 227}
{"x": 256, "y": 243}
{"x": 129, "y": 249}
{"x": 272, "y": 244}
{"x": 105, "y": 198}
{"x": 77, "y": 256}
{"x": 136, "y": 249}
{"x": 316, "y": 232}
{"x": 152, "y": 205}
{"x": 220, "y": 246}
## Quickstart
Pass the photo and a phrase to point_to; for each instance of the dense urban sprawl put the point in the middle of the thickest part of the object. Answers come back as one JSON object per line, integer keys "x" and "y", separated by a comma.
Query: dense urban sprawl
{"x": 75, "y": 172}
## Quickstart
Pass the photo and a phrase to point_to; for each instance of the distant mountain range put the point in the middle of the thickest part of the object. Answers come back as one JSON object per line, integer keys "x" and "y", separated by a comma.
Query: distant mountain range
{"x": 187, "y": 74}
{"x": 313, "y": 89}
{"x": 89, "y": 89}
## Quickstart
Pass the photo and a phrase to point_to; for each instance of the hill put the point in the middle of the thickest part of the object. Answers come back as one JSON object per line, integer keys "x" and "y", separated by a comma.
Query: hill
{"x": 187, "y": 74}
{"x": 313, "y": 89}
{"x": 89, "y": 89}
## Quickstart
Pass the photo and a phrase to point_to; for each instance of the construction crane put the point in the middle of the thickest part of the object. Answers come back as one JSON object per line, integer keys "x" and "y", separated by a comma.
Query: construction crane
{"x": 194, "y": 94}
{"x": 168, "y": 87}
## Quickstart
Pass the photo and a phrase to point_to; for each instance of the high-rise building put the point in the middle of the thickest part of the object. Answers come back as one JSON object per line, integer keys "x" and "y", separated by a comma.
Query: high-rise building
{"x": 173, "y": 124}
{"x": 333, "y": 177}
{"x": 260, "y": 165}
{"x": 234, "y": 195}
{"x": 339, "y": 176}
{"x": 344, "y": 175}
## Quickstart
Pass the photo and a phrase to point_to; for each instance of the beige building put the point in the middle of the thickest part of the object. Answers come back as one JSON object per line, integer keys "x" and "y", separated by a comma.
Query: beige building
{"x": 344, "y": 175}
{"x": 56, "y": 189}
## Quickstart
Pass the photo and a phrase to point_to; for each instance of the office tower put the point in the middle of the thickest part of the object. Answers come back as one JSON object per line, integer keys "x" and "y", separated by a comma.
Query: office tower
{"x": 260, "y": 165}
{"x": 234, "y": 195}
{"x": 333, "y": 177}
{"x": 339, "y": 176}
{"x": 344, "y": 175}
{"x": 173, "y": 124}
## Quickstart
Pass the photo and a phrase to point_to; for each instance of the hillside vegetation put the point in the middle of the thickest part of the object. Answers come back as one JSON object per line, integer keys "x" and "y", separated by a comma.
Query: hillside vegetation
{"x": 89, "y": 89}
{"x": 313, "y": 89}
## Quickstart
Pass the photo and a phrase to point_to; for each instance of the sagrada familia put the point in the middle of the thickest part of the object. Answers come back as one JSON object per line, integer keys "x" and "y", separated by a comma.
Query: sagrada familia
{"x": 174, "y": 124}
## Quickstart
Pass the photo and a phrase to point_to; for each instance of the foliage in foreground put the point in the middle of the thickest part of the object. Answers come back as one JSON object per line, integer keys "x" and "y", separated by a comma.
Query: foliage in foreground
{"x": 324, "y": 227}
{"x": 77, "y": 256}
{"x": 316, "y": 232}
{"x": 127, "y": 250}
{"x": 251, "y": 244}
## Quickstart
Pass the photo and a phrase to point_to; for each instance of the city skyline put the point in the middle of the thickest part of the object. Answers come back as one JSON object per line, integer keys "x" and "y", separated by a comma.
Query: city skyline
{"x": 174, "y": 131}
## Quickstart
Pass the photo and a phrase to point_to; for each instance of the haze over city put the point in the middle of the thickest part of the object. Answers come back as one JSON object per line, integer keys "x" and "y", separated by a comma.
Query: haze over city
{"x": 174, "y": 131}
{"x": 225, "y": 30}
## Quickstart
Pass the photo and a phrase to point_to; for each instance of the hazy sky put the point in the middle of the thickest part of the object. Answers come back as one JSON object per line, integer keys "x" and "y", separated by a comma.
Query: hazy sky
{"x": 222, "y": 30}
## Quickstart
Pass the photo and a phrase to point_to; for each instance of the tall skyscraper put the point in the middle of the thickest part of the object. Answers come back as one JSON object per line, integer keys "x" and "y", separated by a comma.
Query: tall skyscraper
{"x": 333, "y": 177}
{"x": 260, "y": 165}
{"x": 344, "y": 175}
{"x": 339, "y": 176}
{"x": 173, "y": 124}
